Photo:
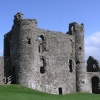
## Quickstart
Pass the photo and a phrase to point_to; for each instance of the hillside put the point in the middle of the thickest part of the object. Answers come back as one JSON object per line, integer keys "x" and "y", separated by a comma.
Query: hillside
{"x": 17, "y": 92}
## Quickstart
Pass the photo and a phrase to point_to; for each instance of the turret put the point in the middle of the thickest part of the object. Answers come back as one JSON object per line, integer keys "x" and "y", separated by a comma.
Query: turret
{"x": 79, "y": 58}
{"x": 81, "y": 76}
{"x": 17, "y": 48}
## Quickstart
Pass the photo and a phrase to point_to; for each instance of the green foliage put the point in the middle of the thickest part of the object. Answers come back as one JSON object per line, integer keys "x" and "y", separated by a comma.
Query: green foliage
{"x": 17, "y": 92}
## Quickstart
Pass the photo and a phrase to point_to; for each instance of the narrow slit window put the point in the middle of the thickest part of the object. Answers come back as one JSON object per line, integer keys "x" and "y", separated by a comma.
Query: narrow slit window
{"x": 39, "y": 48}
{"x": 70, "y": 65}
{"x": 42, "y": 68}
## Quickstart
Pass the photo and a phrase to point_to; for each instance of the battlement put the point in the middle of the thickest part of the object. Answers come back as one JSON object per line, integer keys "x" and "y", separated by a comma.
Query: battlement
{"x": 75, "y": 27}
{"x": 19, "y": 21}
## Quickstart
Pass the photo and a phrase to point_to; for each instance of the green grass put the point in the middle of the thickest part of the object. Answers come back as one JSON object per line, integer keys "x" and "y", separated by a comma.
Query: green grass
{"x": 17, "y": 92}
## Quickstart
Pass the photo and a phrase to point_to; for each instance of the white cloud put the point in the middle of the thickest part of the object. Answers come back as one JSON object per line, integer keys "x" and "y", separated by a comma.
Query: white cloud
{"x": 92, "y": 46}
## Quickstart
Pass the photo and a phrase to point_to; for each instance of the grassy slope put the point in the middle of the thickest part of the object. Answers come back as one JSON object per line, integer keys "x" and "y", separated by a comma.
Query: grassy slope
{"x": 16, "y": 92}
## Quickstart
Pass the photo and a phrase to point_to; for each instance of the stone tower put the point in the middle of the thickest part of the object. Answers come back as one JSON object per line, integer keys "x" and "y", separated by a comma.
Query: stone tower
{"x": 78, "y": 32}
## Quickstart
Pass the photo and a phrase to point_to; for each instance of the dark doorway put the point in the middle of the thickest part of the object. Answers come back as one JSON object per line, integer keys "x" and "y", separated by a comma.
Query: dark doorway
{"x": 95, "y": 85}
{"x": 60, "y": 91}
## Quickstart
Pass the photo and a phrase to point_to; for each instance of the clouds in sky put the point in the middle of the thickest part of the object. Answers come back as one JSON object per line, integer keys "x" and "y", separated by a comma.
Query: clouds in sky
{"x": 92, "y": 46}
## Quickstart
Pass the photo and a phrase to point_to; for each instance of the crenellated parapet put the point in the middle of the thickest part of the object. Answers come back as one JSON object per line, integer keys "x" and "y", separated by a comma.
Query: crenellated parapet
{"x": 20, "y": 22}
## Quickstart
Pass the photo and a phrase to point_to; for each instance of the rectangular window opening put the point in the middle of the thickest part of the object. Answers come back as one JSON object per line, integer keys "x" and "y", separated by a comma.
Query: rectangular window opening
{"x": 29, "y": 40}
{"x": 42, "y": 69}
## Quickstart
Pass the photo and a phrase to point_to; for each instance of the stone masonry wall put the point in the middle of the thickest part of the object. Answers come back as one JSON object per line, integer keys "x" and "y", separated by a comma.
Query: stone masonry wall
{"x": 45, "y": 60}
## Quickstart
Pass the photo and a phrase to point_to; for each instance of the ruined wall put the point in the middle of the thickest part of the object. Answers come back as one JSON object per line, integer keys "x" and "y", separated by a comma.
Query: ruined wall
{"x": 1, "y": 70}
{"x": 48, "y": 61}
{"x": 41, "y": 59}
{"x": 93, "y": 71}
{"x": 94, "y": 82}
{"x": 93, "y": 65}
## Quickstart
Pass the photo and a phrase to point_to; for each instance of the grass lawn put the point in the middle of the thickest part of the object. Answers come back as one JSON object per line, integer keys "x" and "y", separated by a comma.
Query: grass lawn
{"x": 17, "y": 92}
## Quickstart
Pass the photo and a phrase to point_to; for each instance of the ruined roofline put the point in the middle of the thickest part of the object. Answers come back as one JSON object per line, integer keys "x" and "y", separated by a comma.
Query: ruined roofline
{"x": 20, "y": 21}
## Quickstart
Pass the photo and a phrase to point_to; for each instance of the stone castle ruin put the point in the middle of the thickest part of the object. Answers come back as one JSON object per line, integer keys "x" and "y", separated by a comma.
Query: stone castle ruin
{"x": 48, "y": 61}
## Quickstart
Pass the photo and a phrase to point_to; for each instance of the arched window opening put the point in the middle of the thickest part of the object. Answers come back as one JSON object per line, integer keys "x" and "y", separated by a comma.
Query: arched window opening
{"x": 94, "y": 66}
{"x": 41, "y": 38}
{"x": 70, "y": 65}
{"x": 95, "y": 85}
{"x": 42, "y": 43}
{"x": 71, "y": 29}
{"x": 60, "y": 91}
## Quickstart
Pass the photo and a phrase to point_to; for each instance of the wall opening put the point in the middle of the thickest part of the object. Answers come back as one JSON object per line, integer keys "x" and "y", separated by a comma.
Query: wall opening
{"x": 39, "y": 49}
{"x": 80, "y": 48}
{"x": 60, "y": 91}
{"x": 41, "y": 38}
{"x": 71, "y": 29}
{"x": 95, "y": 85}
{"x": 29, "y": 40}
{"x": 70, "y": 65}
{"x": 42, "y": 69}
{"x": 92, "y": 65}
{"x": 43, "y": 62}
{"x": 42, "y": 44}
{"x": 77, "y": 62}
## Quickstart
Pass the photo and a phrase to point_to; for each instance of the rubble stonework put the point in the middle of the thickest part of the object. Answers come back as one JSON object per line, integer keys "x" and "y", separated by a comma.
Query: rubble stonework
{"x": 48, "y": 61}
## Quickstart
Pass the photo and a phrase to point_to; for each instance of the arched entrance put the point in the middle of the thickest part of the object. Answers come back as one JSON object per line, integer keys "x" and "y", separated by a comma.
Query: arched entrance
{"x": 95, "y": 85}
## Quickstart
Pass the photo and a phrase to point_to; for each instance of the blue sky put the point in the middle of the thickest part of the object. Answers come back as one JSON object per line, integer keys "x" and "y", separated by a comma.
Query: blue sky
{"x": 56, "y": 15}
